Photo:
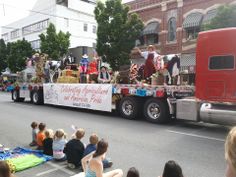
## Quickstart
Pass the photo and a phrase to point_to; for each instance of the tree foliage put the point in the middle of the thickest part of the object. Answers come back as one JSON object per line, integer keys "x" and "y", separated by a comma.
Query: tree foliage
{"x": 117, "y": 32}
{"x": 3, "y": 55}
{"x": 17, "y": 52}
{"x": 54, "y": 44}
{"x": 226, "y": 17}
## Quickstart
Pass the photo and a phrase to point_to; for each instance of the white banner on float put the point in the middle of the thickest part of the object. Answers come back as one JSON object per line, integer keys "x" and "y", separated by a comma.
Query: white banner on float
{"x": 89, "y": 96}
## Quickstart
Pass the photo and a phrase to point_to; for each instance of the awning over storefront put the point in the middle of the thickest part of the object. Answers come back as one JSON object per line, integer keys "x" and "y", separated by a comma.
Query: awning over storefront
{"x": 151, "y": 28}
{"x": 7, "y": 71}
{"x": 188, "y": 62}
{"x": 193, "y": 20}
{"x": 209, "y": 16}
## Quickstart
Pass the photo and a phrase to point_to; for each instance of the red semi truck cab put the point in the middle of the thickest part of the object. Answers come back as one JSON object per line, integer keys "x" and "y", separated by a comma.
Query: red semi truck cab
{"x": 215, "y": 91}
{"x": 216, "y": 66}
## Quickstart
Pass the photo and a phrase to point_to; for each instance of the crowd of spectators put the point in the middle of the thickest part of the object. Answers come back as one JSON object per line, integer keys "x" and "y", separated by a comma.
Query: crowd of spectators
{"x": 91, "y": 158}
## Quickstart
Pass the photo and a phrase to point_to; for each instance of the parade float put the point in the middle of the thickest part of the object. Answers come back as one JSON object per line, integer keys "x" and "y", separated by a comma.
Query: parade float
{"x": 153, "y": 88}
{"x": 76, "y": 85}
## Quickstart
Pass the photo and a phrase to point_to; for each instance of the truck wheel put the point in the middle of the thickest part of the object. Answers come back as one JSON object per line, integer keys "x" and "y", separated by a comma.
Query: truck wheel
{"x": 156, "y": 111}
{"x": 129, "y": 107}
{"x": 21, "y": 99}
{"x": 15, "y": 95}
{"x": 37, "y": 97}
{"x": 31, "y": 96}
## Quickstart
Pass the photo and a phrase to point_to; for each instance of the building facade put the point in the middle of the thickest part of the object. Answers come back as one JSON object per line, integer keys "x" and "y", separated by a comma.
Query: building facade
{"x": 73, "y": 16}
{"x": 173, "y": 25}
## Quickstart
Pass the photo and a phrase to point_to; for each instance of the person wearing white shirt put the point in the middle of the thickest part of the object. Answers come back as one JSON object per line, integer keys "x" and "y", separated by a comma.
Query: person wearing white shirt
{"x": 150, "y": 49}
{"x": 157, "y": 60}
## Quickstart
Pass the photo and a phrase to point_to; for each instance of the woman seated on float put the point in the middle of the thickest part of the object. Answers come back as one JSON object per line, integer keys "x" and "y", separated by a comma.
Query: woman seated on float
{"x": 104, "y": 76}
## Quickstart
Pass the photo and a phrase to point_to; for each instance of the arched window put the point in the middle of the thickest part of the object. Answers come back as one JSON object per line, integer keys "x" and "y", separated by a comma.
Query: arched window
{"x": 172, "y": 29}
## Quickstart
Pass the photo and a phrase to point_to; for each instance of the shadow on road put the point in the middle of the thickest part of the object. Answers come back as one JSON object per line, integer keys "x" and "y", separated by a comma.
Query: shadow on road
{"x": 115, "y": 115}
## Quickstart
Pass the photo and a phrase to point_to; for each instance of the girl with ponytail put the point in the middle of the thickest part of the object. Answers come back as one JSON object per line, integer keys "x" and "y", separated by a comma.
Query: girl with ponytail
{"x": 92, "y": 163}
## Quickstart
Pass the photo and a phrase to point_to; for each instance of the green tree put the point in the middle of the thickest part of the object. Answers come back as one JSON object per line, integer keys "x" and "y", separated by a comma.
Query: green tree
{"x": 226, "y": 17}
{"x": 54, "y": 44}
{"x": 3, "y": 55}
{"x": 117, "y": 32}
{"x": 17, "y": 53}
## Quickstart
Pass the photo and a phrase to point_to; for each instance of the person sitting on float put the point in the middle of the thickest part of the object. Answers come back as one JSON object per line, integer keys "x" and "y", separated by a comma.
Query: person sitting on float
{"x": 93, "y": 70}
{"x": 93, "y": 66}
{"x": 84, "y": 62}
{"x": 104, "y": 76}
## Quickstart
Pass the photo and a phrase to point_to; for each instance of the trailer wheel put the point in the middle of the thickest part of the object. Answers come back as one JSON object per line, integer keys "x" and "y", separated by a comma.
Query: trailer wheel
{"x": 156, "y": 111}
{"x": 31, "y": 96}
{"x": 21, "y": 99}
{"x": 15, "y": 95}
{"x": 129, "y": 107}
{"x": 37, "y": 97}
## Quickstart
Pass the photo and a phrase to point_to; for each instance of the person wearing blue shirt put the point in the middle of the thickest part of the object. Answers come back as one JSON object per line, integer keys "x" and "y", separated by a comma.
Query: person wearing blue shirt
{"x": 93, "y": 139}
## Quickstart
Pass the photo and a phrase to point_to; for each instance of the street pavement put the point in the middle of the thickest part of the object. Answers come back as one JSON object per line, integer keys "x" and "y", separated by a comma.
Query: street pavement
{"x": 197, "y": 147}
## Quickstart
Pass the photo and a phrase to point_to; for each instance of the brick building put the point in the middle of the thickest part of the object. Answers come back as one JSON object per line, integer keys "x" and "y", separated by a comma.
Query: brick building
{"x": 172, "y": 25}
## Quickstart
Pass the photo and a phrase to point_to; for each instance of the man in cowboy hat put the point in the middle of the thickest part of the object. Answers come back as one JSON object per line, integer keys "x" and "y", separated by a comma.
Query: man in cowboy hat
{"x": 84, "y": 62}
{"x": 104, "y": 76}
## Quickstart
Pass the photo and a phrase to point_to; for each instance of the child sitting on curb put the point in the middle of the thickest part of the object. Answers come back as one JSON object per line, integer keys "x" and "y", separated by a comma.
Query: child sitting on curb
{"x": 74, "y": 149}
{"x": 34, "y": 126}
{"x": 58, "y": 145}
{"x": 47, "y": 142}
{"x": 93, "y": 139}
{"x": 41, "y": 136}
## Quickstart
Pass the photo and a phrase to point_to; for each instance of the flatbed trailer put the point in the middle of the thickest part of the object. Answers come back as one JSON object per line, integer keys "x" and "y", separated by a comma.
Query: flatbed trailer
{"x": 156, "y": 103}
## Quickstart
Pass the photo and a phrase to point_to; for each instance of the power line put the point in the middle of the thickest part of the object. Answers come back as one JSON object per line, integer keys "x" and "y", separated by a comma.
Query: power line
{"x": 52, "y": 15}
{"x": 3, "y": 8}
{"x": 14, "y": 28}
{"x": 49, "y": 7}
{"x": 38, "y": 12}
{"x": 36, "y": 31}
{"x": 160, "y": 3}
{"x": 8, "y": 27}
{"x": 83, "y": 37}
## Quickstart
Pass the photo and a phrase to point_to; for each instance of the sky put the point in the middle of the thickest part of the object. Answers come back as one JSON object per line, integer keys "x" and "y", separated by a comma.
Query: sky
{"x": 13, "y": 10}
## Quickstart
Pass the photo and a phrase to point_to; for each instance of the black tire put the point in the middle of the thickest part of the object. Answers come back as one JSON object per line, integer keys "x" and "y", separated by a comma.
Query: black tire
{"x": 129, "y": 107}
{"x": 37, "y": 97}
{"x": 31, "y": 96}
{"x": 156, "y": 111}
{"x": 15, "y": 95}
{"x": 116, "y": 111}
{"x": 21, "y": 99}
